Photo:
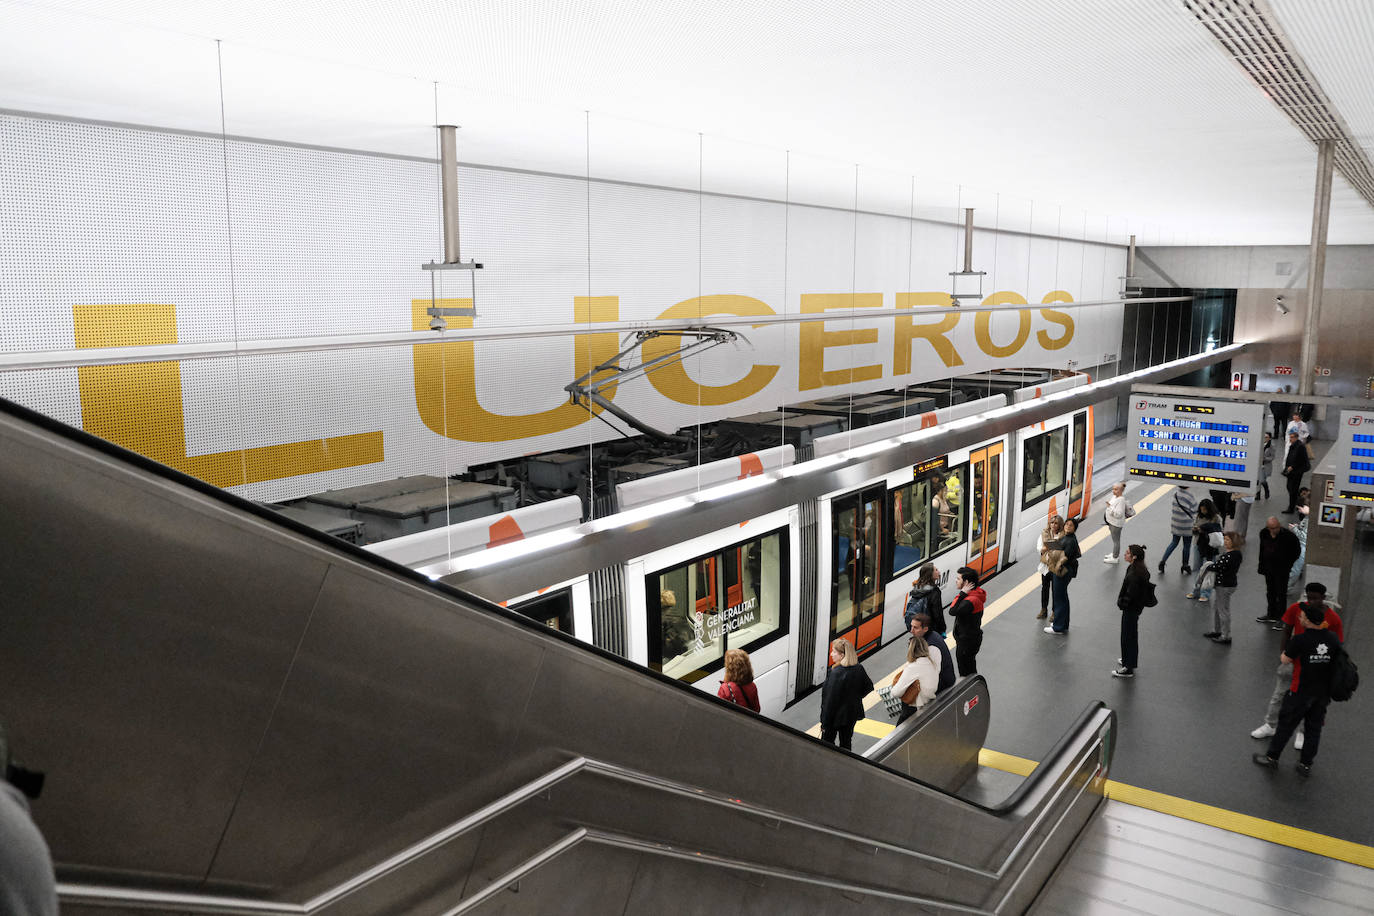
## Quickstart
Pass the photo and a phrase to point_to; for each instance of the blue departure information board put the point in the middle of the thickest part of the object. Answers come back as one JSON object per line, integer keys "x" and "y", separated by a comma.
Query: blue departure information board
{"x": 1353, "y": 455}
{"x": 1218, "y": 444}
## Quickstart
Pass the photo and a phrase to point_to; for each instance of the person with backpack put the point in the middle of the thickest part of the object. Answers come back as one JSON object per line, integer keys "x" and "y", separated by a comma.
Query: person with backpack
{"x": 1292, "y": 625}
{"x": 1312, "y": 654}
{"x": 1225, "y": 568}
{"x": 924, "y": 598}
{"x": 1137, "y": 593}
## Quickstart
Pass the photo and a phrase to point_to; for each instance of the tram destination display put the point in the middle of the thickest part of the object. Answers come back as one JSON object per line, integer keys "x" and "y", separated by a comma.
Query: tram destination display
{"x": 1218, "y": 444}
{"x": 1353, "y": 455}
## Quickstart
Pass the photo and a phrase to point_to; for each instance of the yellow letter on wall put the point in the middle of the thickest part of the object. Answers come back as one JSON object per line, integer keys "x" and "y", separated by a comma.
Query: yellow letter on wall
{"x": 982, "y": 325}
{"x": 446, "y": 376}
{"x": 907, "y": 330}
{"x": 1063, "y": 319}
{"x": 815, "y": 340}
{"x": 672, "y": 380}
{"x": 139, "y": 406}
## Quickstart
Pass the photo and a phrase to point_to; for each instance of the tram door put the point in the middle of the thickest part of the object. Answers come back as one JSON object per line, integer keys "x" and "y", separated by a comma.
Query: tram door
{"x": 857, "y": 548}
{"x": 1078, "y": 471}
{"x": 985, "y": 508}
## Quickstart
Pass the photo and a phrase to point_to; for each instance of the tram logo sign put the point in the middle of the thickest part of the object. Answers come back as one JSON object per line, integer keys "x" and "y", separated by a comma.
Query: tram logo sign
{"x": 1355, "y": 421}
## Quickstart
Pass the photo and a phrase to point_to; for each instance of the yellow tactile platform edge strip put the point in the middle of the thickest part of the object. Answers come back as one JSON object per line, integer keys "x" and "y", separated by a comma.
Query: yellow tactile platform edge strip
{"x": 1234, "y": 822}
{"x": 1244, "y": 824}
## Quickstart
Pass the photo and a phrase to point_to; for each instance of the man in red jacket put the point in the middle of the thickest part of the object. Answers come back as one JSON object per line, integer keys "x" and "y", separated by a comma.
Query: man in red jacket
{"x": 967, "y": 611}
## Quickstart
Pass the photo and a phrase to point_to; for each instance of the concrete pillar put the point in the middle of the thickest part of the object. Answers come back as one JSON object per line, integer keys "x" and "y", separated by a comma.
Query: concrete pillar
{"x": 1316, "y": 274}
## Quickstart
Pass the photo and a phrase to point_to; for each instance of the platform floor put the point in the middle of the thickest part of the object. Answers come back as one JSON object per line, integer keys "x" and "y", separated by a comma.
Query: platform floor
{"x": 1184, "y": 742}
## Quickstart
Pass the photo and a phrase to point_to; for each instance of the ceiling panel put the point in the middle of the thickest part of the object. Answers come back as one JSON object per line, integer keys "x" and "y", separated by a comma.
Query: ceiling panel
{"x": 1125, "y": 110}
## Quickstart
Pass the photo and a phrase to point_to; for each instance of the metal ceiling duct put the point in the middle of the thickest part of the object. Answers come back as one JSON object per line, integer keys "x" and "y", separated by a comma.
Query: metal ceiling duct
{"x": 1249, "y": 32}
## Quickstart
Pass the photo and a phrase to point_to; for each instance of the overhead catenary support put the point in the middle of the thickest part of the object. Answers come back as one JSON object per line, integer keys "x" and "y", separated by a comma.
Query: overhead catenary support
{"x": 963, "y": 282}
{"x": 1316, "y": 272}
{"x": 1130, "y": 284}
{"x": 453, "y": 257}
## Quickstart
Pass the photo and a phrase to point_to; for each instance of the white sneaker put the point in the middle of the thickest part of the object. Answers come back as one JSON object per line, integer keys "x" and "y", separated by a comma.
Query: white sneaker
{"x": 1297, "y": 741}
{"x": 1111, "y": 559}
{"x": 1264, "y": 731}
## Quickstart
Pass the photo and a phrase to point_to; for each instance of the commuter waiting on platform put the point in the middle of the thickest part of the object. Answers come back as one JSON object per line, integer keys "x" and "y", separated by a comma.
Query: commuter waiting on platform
{"x": 1051, "y": 558}
{"x": 1207, "y": 531}
{"x": 1295, "y": 464}
{"x": 1068, "y": 569}
{"x": 918, "y": 678}
{"x": 1136, "y": 594}
{"x": 1266, "y": 466}
{"x": 1297, "y": 426}
{"x": 1118, "y": 510}
{"x": 1224, "y": 568}
{"x": 1278, "y": 550}
{"x": 1181, "y": 513}
{"x": 1314, "y": 595}
{"x": 739, "y": 687}
{"x": 921, "y": 626}
{"x": 924, "y": 598}
{"x": 842, "y": 696}
{"x": 1311, "y": 653}
{"x": 967, "y": 611}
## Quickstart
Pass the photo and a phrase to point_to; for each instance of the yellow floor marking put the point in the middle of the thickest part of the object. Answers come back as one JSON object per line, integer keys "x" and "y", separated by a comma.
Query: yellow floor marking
{"x": 1234, "y": 822}
{"x": 873, "y": 728}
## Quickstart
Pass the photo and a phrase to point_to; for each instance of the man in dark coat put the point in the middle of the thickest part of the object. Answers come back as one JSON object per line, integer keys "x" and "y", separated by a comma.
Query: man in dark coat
{"x": 1296, "y": 464}
{"x": 1280, "y": 410}
{"x": 1278, "y": 551}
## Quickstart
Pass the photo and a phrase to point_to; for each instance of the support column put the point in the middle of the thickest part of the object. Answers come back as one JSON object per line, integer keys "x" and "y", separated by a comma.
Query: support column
{"x": 1316, "y": 273}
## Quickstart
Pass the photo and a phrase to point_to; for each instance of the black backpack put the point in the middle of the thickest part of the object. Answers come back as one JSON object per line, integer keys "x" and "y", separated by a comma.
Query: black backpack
{"x": 1150, "y": 599}
{"x": 1345, "y": 676}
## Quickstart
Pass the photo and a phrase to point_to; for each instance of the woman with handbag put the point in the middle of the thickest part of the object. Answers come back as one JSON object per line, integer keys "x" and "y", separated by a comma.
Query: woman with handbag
{"x": 1207, "y": 529}
{"x": 1062, "y": 574}
{"x": 917, "y": 680}
{"x": 1181, "y": 527}
{"x": 842, "y": 696}
{"x": 1047, "y": 545}
{"x": 1136, "y": 593}
{"x": 738, "y": 686}
{"x": 1225, "y": 567}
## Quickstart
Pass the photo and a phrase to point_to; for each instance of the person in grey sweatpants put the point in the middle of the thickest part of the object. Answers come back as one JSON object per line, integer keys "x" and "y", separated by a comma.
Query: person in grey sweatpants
{"x": 1225, "y": 568}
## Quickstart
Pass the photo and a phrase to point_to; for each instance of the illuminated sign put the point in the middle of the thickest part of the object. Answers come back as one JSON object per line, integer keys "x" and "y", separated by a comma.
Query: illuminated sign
{"x": 934, "y": 464}
{"x": 1353, "y": 455}
{"x": 1194, "y": 440}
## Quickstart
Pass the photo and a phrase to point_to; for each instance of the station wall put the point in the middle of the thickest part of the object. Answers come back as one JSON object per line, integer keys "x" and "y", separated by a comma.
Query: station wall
{"x": 117, "y": 236}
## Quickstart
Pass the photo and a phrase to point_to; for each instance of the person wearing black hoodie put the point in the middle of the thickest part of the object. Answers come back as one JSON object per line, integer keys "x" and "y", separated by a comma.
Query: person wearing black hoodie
{"x": 924, "y": 598}
{"x": 842, "y": 696}
{"x": 967, "y": 610}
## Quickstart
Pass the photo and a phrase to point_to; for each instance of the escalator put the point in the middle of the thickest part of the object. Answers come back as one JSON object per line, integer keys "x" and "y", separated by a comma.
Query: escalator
{"x": 237, "y": 714}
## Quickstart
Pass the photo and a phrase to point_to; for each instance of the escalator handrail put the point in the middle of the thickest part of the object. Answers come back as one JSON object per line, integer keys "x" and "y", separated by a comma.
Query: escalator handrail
{"x": 112, "y": 896}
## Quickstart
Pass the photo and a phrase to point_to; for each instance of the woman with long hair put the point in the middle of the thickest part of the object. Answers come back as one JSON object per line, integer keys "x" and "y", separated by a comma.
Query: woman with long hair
{"x": 738, "y": 686}
{"x": 1047, "y": 545}
{"x": 1066, "y": 570}
{"x": 1225, "y": 568}
{"x": 842, "y": 696}
{"x": 1207, "y": 523}
{"x": 1135, "y": 589}
{"x": 925, "y": 598}
{"x": 921, "y": 671}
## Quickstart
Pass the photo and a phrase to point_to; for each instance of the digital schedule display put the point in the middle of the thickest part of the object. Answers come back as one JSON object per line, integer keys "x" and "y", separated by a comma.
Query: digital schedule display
{"x": 1353, "y": 455}
{"x": 1217, "y": 444}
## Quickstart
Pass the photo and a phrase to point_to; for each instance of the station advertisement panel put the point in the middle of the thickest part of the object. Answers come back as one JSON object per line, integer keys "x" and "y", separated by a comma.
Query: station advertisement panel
{"x": 1353, "y": 455}
{"x": 1217, "y": 444}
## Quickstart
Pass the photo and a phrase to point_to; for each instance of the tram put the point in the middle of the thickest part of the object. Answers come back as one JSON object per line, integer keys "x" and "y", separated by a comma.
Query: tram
{"x": 783, "y": 585}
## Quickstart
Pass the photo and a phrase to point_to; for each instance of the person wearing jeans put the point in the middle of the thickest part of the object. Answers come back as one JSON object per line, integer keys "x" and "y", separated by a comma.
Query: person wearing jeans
{"x": 1181, "y": 526}
{"x": 1060, "y": 587}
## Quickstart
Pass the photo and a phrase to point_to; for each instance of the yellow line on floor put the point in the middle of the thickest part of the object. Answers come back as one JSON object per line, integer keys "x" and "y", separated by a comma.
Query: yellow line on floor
{"x": 1211, "y": 816}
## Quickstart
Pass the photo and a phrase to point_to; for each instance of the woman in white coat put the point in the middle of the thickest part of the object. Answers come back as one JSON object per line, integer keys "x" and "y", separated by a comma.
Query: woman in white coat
{"x": 922, "y": 671}
{"x": 1118, "y": 510}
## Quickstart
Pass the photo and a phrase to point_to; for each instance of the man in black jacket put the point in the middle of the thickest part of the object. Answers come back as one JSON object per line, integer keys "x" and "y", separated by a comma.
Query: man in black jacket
{"x": 1296, "y": 464}
{"x": 1278, "y": 551}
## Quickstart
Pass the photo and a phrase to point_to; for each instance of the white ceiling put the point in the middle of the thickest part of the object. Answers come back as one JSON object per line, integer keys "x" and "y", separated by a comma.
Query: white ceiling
{"x": 1096, "y": 117}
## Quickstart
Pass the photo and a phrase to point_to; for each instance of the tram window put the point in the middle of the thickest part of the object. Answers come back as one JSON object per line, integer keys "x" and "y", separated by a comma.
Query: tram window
{"x": 1080, "y": 456}
{"x": 696, "y": 618}
{"x": 553, "y": 609}
{"x": 1042, "y": 473}
{"x": 948, "y": 508}
{"x": 911, "y": 508}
